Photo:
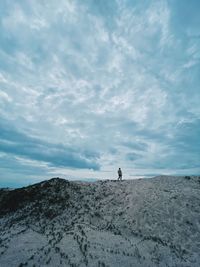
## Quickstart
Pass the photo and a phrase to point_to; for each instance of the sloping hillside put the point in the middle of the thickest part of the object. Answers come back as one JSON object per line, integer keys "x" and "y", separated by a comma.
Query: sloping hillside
{"x": 146, "y": 222}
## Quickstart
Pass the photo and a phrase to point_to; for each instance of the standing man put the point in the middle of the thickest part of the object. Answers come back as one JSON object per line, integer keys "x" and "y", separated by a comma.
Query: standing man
{"x": 119, "y": 174}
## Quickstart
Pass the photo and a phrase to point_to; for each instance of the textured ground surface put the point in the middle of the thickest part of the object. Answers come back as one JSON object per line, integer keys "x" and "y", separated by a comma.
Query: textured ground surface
{"x": 146, "y": 222}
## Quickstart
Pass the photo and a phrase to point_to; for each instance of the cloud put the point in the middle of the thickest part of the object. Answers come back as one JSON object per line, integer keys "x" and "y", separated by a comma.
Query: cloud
{"x": 132, "y": 156}
{"x": 91, "y": 84}
{"x": 17, "y": 143}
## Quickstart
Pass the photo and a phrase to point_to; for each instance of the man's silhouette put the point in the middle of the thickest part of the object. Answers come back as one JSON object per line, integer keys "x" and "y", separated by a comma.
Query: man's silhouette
{"x": 119, "y": 174}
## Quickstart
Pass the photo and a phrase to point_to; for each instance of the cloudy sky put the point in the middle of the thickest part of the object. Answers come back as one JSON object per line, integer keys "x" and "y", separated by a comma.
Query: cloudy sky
{"x": 90, "y": 86}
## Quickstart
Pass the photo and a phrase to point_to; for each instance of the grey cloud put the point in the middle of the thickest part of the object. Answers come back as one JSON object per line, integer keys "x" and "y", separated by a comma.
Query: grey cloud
{"x": 135, "y": 145}
{"x": 15, "y": 142}
{"x": 133, "y": 156}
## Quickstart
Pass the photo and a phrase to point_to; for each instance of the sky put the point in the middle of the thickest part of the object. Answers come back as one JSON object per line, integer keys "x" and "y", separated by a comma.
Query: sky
{"x": 89, "y": 86}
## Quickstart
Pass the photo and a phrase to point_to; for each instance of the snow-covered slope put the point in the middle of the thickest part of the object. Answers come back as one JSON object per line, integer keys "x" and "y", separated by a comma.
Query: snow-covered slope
{"x": 146, "y": 222}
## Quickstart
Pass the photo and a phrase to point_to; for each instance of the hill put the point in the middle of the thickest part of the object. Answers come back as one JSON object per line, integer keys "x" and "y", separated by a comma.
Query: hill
{"x": 141, "y": 223}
